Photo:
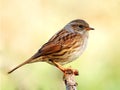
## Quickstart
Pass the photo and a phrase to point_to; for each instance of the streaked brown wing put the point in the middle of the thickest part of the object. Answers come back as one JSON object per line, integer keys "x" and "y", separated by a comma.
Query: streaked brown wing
{"x": 62, "y": 39}
{"x": 46, "y": 49}
{"x": 52, "y": 46}
{"x": 49, "y": 48}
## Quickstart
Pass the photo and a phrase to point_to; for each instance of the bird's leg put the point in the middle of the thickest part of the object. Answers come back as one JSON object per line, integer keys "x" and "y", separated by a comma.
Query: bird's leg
{"x": 59, "y": 66}
{"x": 66, "y": 70}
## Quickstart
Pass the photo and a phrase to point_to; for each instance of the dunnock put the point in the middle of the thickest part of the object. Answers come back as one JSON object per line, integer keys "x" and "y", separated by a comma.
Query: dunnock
{"x": 65, "y": 46}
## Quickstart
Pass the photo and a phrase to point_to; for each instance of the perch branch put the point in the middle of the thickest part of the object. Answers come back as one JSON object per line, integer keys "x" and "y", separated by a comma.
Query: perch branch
{"x": 69, "y": 79}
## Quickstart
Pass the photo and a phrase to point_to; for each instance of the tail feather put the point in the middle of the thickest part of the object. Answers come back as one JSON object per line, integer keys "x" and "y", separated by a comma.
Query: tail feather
{"x": 26, "y": 62}
{"x": 34, "y": 58}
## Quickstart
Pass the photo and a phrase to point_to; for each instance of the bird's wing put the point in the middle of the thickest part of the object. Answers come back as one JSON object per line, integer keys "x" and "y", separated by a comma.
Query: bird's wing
{"x": 62, "y": 39}
{"x": 47, "y": 49}
{"x": 52, "y": 46}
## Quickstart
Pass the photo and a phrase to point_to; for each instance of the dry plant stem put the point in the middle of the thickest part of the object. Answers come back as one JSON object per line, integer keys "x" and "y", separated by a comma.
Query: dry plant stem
{"x": 69, "y": 79}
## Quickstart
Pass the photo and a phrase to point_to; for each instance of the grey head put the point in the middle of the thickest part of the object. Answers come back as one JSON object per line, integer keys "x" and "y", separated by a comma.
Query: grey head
{"x": 78, "y": 25}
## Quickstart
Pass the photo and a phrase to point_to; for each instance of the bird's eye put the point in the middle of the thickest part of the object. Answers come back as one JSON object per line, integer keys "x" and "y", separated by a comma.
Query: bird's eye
{"x": 81, "y": 26}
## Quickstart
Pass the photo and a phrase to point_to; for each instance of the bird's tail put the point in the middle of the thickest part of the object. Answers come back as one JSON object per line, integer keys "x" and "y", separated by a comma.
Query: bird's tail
{"x": 34, "y": 58}
{"x": 26, "y": 62}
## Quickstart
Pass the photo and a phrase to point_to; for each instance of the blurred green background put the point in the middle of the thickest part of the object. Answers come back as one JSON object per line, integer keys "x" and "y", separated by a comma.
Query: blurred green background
{"x": 27, "y": 24}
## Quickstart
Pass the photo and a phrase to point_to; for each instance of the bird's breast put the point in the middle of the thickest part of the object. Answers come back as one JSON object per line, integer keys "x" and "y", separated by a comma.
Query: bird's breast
{"x": 76, "y": 50}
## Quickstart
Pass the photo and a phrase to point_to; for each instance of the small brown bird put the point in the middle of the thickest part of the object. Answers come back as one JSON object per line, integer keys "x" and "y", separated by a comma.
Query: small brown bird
{"x": 65, "y": 46}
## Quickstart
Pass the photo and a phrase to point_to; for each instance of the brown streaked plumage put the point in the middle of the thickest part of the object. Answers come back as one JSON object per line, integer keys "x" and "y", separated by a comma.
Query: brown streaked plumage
{"x": 65, "y": 46}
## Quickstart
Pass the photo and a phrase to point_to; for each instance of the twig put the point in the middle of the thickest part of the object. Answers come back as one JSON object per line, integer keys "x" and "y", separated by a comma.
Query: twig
{"x": 69, "y": 79}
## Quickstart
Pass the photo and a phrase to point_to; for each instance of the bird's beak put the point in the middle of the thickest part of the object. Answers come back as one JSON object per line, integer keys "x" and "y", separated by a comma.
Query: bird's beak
{"x": 89, "y": 28}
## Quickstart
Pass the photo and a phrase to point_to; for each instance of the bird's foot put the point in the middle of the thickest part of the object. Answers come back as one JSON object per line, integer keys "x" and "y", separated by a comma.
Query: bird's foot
{"x": 66, "y": 70}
